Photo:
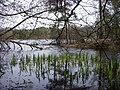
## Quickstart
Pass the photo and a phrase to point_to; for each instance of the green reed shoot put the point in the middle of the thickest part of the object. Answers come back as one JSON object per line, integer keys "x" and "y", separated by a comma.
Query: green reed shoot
{"x": 43, "y": 57}
{"x": 13, "y": 61}
{"x": 27, "y": 59}
{"x": 22, "y": 60}
{"x": 55, "y": 59}
{"x": 30, "y": 66}
{"x": 34, "y": 59}
{"x": 49, "y": 59}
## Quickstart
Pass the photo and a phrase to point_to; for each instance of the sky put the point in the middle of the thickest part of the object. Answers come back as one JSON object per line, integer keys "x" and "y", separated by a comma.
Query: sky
{"x": 86, "y": 12}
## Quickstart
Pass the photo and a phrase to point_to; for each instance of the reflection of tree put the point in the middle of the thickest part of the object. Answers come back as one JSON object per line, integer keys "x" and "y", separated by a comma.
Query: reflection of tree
{"x": 1, "y": 66}
{"x": 1, "y": 71}
{"x": 70, "y": 71}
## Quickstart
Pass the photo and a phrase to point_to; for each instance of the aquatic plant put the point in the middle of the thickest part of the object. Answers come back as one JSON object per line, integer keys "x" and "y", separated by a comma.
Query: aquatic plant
{"x": 55, "y": 63}
{"x": 22, "y": 63}
{"x": 27, "y": 59}
{"x": 34, "y": 59}
{"x": 13, "y": 61}
{"x": 70, "y": 67}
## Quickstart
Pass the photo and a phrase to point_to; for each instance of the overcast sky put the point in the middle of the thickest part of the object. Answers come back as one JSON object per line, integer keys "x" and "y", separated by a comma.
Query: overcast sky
{"x": 86, "y": 11}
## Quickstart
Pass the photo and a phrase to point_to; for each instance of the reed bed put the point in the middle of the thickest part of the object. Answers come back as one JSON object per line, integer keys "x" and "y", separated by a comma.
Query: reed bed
{"x": 68, "y": 69}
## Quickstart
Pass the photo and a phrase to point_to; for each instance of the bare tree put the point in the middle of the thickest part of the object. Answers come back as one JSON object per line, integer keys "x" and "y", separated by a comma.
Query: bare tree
{"x": 61, "y": 13}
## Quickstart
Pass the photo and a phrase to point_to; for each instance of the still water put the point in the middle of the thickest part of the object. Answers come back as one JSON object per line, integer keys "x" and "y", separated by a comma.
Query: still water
{"x": 57, "y": 68}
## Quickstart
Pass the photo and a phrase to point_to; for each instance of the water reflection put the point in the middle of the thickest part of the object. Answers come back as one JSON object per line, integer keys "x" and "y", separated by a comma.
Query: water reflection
{"x": 56, "y": 69}
{"x": 70, "y": 71}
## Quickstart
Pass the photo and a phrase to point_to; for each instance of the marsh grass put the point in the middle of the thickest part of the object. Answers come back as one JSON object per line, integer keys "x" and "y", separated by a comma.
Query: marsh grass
{"x": 70, "y": 69}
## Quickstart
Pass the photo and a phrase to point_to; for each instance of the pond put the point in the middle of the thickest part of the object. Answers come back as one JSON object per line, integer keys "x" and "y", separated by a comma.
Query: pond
{"x": 58, "y": 68}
